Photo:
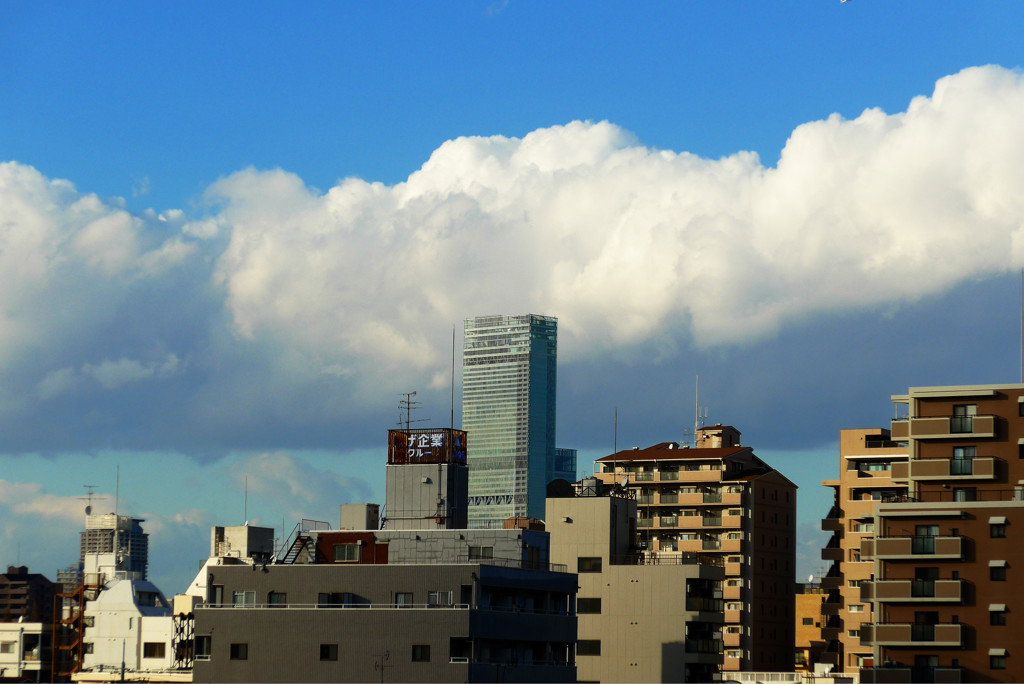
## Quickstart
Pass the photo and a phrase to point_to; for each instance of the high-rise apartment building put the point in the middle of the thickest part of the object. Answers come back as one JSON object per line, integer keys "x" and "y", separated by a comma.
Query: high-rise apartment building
{"x": 866, "y": 461}
{"x": 509, "y": 372}
{"x": 946, "y": 559}
{"x": 722, "y": 500}
{"x": 121, "y": 535}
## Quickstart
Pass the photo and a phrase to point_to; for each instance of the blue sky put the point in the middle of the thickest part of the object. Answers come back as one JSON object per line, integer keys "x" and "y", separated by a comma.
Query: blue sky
{"x": 230, "y": 235}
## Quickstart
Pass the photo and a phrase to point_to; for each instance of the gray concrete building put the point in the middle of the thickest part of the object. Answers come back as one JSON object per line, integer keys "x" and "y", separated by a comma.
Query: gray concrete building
{"x": 351, "y": 621}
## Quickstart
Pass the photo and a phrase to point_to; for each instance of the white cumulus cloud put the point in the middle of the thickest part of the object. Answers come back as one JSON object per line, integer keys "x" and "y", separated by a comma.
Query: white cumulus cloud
{"x": 626, "y": 244}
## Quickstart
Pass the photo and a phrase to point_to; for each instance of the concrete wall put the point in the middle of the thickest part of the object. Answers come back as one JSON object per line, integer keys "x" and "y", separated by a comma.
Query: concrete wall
{"x": 426, "y": 496}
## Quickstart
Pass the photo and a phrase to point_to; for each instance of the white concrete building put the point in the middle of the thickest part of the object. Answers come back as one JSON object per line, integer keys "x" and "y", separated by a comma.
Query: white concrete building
{"x": 20, "y": 652}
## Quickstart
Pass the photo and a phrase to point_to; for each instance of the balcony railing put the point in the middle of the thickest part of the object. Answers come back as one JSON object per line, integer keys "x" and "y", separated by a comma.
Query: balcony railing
{"x": 910, "y": 634}
{"x": 943, "y": 427}
{"x": 911, "y": 547}
{"x": 913, "y": 591}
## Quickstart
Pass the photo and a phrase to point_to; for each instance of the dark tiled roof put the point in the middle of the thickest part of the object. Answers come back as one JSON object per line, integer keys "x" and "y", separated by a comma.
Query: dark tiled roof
{"x": 666, "y": 451}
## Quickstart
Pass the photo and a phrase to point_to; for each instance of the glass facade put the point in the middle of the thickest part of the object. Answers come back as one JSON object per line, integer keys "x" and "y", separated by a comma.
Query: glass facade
{"x": 509, "y": 371}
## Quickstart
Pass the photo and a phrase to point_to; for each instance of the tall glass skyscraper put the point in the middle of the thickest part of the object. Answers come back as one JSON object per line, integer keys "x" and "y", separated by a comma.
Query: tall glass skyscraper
{"x": 509, "y": 371}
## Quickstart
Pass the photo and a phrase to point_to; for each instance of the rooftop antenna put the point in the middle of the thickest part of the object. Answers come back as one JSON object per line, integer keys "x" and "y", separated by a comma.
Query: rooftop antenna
{"x": 1022, "y": 326}
{"x": 89, "y": 497}
{"x": 615, "y": 440}
{"x": 452, "y": 425}
{"x": 245, "y": 500}
{"x": 408, "y": 405}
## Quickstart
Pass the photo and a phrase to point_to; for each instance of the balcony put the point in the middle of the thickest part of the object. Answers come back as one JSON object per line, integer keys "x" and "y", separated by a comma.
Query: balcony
{"x": 832, "y": 604}
{"x": 831, "y": 628}
{"x": 909, "y": 634}
{"x": 944, "y": 427}
{"x": 833, "y": 580}
{"x": 733, "y": 639}
{"x": 950, "y": 469}
{"x": 910, "y": 548}
{"x": 913, "y": 591}
{"x": 832, "y": 551}
{"x": 732, "y": 593}
{"x": 832, "y": 521}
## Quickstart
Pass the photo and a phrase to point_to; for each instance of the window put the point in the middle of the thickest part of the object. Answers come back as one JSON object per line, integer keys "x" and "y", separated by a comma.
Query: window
{"x": 335, "y": 599}
{"x": 439, "y": 599}
{"x": 420, "y": 653}
{"x": 588, "y": 606}
{"x": 997, "y": 573}
{"x": 963, "y": 418}
{"x": 588, "y": 647}
{"x": 857, "y": 608}
{"x": 997, "y": 617}
{"x": 997, "y": 531}
{"x": 88, "y": 647}
{"x": 964, "y": 494}
{"x": 243, "y": 599}
{"x": 403, "y": 599}
{"x": 239, "y": 651}
{"x": 997, "y": 662}
{"x": 277, "y": 599}
{"x": 154, "y": 649}
{"x": 204, "y": 646}
{"x": 808, "y": 621}
{"x": 853, "y": 633}
{"x": 588, "y": 564}
{"x": 328, "y": 651}
{"x": 7, "y": 646}
{"x": 346, "y": 553}
{"x": 481, "y": 552}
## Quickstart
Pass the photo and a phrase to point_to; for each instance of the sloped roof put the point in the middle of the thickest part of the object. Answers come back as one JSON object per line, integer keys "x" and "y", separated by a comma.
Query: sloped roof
{"x": 668, "y": 451}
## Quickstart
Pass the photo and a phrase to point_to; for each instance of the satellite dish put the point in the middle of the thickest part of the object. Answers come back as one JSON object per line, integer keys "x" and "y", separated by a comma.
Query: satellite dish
{"x": 810, "y": 578}
{"x": 88, "y": 510}
{"x": 625, "y": 481}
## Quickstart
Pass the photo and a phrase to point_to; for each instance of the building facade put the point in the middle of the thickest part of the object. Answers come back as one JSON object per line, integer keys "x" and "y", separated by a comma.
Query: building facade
{"x": 643, "y": 617}
{"x": 26, "y": 621}
{"x": 110, "y": 532}
{"x": 946, "y": 558}
{"x": 402, "y": 605}
{"x": 721, "y": 499}
{"x": 509, "y": 375}
{"x": 866, "y": 459}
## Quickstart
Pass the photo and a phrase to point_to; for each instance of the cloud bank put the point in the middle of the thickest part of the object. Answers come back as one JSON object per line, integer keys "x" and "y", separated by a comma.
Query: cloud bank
{"x": 353, "y": 292}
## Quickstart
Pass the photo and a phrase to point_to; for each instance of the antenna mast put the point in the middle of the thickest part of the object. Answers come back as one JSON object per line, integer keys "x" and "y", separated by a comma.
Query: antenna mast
{"x": 408, "y": 405}
{"x": 452, "y": 425}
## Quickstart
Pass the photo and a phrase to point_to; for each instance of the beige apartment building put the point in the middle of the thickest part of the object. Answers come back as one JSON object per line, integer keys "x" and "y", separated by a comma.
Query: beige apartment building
{"x": 722, "y": 500}
{"x": 643, "y": 617}
{"x": 946, "y": 559}
{"x": 866, "y": 459}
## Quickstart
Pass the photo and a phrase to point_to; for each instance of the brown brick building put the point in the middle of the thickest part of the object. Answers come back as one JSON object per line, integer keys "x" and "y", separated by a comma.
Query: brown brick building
{"x": 946, "y": 560}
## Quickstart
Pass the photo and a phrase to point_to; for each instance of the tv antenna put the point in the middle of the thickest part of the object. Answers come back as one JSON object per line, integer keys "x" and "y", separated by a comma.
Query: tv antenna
{"x": 408, "y": 405}
{"x": 89, "y": 498}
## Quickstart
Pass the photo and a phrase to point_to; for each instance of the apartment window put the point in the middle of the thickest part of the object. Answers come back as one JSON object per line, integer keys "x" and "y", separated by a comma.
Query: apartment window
{"x": 997, "y": 662}
{"x": 420, "y": 653}
{"x": 239, "y": 651}
{"x": 808, "y": 621}
{"x": 997, "y": 614}
{"x": 403, "y": 599}
{"x": 439, "y": 599}
{"x": 997, "y": 531}
{"x": 7, "y": 646}
{"x": 204, "y": 646}
{"x": 87, "y": 648}
{"x": 997, "y": 573}
{"x": 336, "y": 599}
{"x": 588, "y": 564}
{"x": 857, "y": 608}
{"x": 588, "y": 606}
{"x": 346, "y": 553}
{"x": 154, "y": 649}
{"x": 965, "y": 494}
{"x": 588, "y": 647}
{"x": 853, "y": 633}
{"x": 328, "y": 651}
{"x": 481, "y": 553}
{"x": 963, "y": 418}
{"x": 243, "y": 599}
{"x": 277, "y": 599}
